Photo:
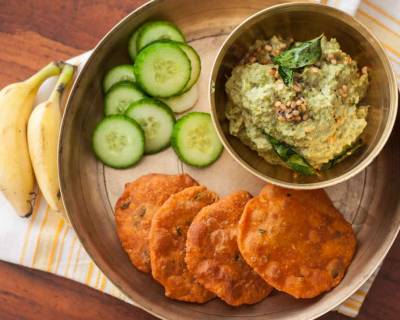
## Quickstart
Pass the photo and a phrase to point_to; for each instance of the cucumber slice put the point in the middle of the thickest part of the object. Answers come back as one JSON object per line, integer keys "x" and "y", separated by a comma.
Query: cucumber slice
{"x": 157, "y": 121}
{"x": 157, "y": 30}
{"x": 162, "y": 69}
{"x": 118, "y": 141}
{"x": 195, "y": 64}
{"x": 184, "y": 102}
{"x": 120, "y": 96}
{"x": 132, "y": 50}
{"x": 117, "y": 74}
{"x": 195, "y": 141}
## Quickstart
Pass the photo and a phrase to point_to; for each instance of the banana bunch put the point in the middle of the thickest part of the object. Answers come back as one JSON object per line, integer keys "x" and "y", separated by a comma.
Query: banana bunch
{"x": 17, "y": 177}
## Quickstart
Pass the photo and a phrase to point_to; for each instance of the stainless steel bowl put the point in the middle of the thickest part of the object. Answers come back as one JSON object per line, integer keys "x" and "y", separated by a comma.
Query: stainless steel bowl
{"x": 304, "y": 21}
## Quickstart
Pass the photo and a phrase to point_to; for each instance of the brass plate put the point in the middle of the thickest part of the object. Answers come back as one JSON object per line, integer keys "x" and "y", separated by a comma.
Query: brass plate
{"x": 370, "y": 200}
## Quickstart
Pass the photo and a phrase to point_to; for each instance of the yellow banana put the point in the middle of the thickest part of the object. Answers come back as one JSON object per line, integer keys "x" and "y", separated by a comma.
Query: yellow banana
{"x": 17, "y": 180}
{"x": 43, "y": 132}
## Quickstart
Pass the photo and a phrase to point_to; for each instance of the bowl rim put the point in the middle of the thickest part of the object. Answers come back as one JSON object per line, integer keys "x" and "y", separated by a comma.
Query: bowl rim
{"x": 388, "y": 126}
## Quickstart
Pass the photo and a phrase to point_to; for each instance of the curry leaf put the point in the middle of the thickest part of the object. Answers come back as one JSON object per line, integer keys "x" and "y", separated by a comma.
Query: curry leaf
{"x": 300, "y": 55}
{"x": 347, "y": 152}
{"x": 293, "y": 160}
{"x": 286, "y": 75}
{"x": 299, "y": 164}
{"x": 281, "y": 149}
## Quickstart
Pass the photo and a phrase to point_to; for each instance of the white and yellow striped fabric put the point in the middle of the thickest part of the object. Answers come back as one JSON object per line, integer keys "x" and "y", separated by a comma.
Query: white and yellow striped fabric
{"x": 382, "y": 17}
{"x": 47, "y": 242}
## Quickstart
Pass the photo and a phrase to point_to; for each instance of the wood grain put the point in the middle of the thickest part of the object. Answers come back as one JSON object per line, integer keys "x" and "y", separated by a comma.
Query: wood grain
{"x": 32, "y": 33}
{"x": 30, "y": 294}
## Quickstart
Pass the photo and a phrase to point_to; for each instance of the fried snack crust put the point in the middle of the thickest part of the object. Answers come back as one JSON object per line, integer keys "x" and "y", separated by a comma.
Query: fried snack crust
{"x": 296, "y": 240}
{"x": 135, "y": 208}
{"x": 168, "y": 241}
{"x": 213, "y": 257}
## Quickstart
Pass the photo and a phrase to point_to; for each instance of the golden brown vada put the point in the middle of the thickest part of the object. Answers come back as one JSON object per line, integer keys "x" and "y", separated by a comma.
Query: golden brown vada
{"x": 135, "y": 208}
{"x": 168, "y": 244}
{"x": 213, "y": 257}
{"x": 296, "y": 240}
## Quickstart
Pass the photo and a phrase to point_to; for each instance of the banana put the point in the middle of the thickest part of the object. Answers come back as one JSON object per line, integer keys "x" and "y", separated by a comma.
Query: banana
{"x": 17, "y": 179}
{"x": 43, "y": 132}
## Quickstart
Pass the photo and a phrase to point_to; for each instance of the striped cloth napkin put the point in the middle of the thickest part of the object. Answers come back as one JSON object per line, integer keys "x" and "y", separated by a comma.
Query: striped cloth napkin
{"x": 47, "y": 242}
{"x": 382, "y": 17}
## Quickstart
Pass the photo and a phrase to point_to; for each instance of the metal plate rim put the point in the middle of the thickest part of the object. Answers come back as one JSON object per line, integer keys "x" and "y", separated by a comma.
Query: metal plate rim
{"x": 394, "y": 232}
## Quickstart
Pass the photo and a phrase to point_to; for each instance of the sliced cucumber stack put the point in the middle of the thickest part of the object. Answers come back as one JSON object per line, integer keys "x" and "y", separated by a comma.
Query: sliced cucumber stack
{"x": 120, "y": 96}
{"x": 184, "y": 102}
{"x": 118, "y": 74}
{"x": 168, "y": 69}
{"x": 157, "y": 121}
{"x": 162, "y": 69}
{"x": 118, "y": 141}
{"x": 195, "y": 141}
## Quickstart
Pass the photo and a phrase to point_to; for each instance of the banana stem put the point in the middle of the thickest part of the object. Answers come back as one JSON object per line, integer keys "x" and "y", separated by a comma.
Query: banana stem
{"x": 52, "y": 69}
{"x": 62, "y": 82}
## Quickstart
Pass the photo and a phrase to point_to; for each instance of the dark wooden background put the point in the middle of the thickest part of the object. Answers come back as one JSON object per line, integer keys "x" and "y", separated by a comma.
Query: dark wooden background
{"x": 34, "y": 32}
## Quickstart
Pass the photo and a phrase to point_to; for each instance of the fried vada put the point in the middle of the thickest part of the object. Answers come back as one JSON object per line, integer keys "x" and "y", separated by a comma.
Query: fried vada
{"x": 135, "y": 208}
{"x": 296, "y": 240}
{"x": 213, "y": 257}
{"x": 168, "y": 244}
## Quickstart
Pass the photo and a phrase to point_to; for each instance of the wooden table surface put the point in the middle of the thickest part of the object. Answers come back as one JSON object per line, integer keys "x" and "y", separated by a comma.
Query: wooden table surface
{"x": 34, "y": 32}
